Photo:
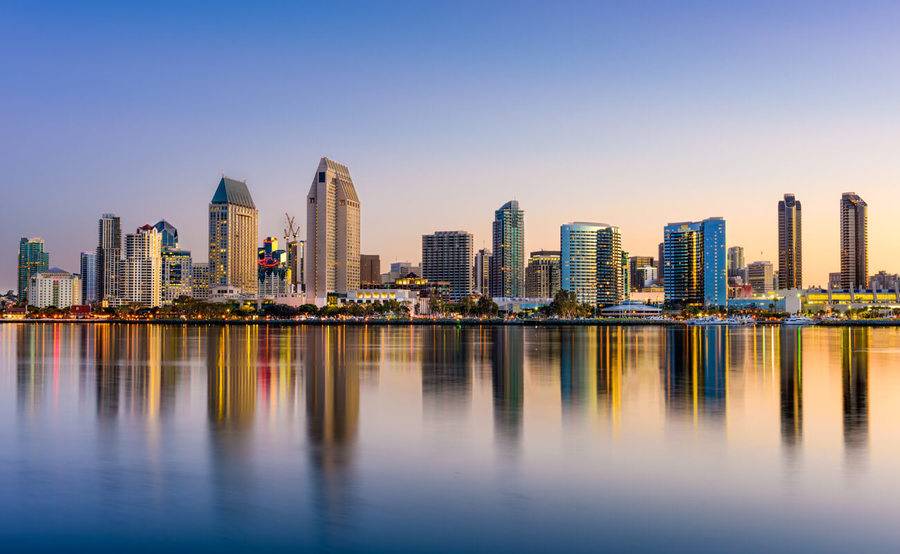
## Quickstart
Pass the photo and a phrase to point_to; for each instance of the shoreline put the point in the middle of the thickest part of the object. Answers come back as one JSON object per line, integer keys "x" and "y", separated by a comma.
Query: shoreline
{"x": 451, "y": 322}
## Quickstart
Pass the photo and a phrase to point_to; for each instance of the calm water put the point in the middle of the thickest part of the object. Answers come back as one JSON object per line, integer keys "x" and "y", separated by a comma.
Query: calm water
{"x": 118, "y": 437}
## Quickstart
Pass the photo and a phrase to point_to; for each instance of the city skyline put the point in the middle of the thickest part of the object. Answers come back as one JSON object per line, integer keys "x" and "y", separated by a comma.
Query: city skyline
{"x": 686, "y": 130}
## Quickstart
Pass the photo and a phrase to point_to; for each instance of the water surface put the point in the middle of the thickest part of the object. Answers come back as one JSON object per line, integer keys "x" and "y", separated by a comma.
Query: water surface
{"x": 244, "y": 438}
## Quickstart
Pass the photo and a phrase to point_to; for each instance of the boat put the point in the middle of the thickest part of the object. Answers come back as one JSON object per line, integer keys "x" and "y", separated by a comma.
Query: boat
{"x": 731, "y": 321}
{"x": 798, "y": 320}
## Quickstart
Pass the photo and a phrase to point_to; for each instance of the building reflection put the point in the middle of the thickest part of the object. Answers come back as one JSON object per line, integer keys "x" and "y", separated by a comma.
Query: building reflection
{"x": 790, "y": 356}
{"x": 107, "y": 351}
{"x": 446, "y": 371}
{"x": 695, "y": 372}
{"x": 578, "y": 362}
{"x": 855, "y": 380}
{"x": 610, "y": 368}
{"x": 507, "y": 382}
{"x": 231, "y": 377}
{"x": 30, "y": 367}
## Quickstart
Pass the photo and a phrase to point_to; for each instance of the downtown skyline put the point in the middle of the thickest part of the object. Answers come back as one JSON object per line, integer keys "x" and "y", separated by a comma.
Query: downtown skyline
{"x": 646, "y": 133}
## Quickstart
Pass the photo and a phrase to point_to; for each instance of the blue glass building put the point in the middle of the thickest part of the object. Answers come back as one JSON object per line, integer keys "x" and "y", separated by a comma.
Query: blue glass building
{"x": 694, "y": 269}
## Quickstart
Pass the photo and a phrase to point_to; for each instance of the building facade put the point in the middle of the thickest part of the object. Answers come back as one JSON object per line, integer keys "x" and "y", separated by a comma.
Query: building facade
{"x": 273, "y": 272}
{"x": 200, "y": 281}
{"x": 233, "y": 235}
{"x": 481, "y": 272}
{"x": 177, "y": 273}
{"x": 695, "y": 262}
{"x": 55, "y": 288}
{"x": 761, "y": 277}
{"x": 591, "y": 262}
{"x": 446, "y": 256}
{"x": 109, "y": 256}
{"x": 542, "y": 275}
{"x": 168, "y": 234}
{"x": 32, "y": 260}
{"x": 141, "y": 270}
{"x": 332, "y": 232}
{"x": 507, "y": 267}
{"x": 634, "y": 264}
{"x": 88, "y": 277}
{"x": 790, "y": 244}
{"x": 296, "y": 250}
{"x": 369, "y": 269}
{"x": 854, "y": 242}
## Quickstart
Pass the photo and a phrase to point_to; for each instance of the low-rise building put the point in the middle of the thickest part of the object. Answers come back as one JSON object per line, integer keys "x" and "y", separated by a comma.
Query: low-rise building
{"x": 54, "y": 288}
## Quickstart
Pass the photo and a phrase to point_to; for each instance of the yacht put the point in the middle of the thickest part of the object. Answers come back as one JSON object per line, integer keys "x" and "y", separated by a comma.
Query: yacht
{"x": 798, "y": 320}
{"x": 713, "y": 320}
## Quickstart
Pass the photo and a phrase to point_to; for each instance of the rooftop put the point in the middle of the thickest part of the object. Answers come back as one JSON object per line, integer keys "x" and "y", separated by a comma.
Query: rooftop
{"x": 235, "y": 192}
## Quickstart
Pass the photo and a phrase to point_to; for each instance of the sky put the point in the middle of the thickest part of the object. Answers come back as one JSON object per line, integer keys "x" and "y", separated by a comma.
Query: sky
{"x": 629, "y": 113}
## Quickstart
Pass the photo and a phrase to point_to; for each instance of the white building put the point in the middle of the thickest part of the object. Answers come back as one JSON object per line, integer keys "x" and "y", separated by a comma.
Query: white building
{"x": 141, "y": 275}
{"x": 55, "y": 288}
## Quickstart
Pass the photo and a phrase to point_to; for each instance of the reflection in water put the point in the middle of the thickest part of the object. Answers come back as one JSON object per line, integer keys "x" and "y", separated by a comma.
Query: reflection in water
{"x": 507, "y": 383}
{"x": 446, "y": 372}
{"x": 695, "y": 372}
{"x": 609, "y": 371}
{"x": 791, "y": 391}
{"x": 106, "y": 370}
{"x": 578, "y": 368}
{"x": 30, "y": 369}
{"x": 855, "y": 379}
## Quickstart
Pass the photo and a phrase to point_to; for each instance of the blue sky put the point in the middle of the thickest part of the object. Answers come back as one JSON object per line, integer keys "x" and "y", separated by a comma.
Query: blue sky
{"x": 632, "y": 113}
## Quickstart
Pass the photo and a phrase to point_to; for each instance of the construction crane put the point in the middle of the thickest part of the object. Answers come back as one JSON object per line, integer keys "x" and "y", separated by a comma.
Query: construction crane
{"x": 292, "y": 229}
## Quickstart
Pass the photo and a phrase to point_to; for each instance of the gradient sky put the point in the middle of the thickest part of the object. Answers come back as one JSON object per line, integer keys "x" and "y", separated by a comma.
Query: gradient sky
{"x": 630, "y": 113}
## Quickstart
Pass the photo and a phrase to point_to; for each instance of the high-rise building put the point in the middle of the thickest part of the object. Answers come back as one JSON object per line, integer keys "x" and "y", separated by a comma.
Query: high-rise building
{"x": 854, "y": 242}
{"x": 32, "y": 260}
{"x": 54, "y": 288}
{"x": 591, "y": 262}
{"x": 735, "y": 259}
{"x": 141, "y": 270}
{"x": 233, "y": 234}
{"x": 482, "y": 272}
{"x": 446, "y": 256}
{"x": 369, "y": 270}
{"x": 508, "y": 256}
{"x": 273, "y": 272}
{"x": 542, "y": 275}
{"x": 634, "y": 264}
{"x": 625, "y": 270}
{"x": 790, "y": 244}
{"x": 661, "y": 262}
{"x": 200, "y": 281}
{"x": 89, "y": 277}
{"x": 296, "y": 250}
{"x": 332, "y": 232}
{"x": 695, "y": 262}
{"x": 168, "y": 234}
{"x": 761, "y": 277}
{"x": 177, "y": 273}
{"x": 109, "y": 256}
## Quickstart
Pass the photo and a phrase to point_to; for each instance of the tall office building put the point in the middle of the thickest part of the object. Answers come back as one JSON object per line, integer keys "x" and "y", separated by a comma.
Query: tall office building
{"x": 761, "y": 277}
{"x": 369, "y": 269}
{"x": 482, "y": 272}
{"x": 854, "y": 242}
{"x": 177, "y": 273}
{"x": 636, "y": 263}
{"x": 446, "y": 256}
{"x": 109, "y": 255}
{"x": 591, "y": 262}
{"x": 332, "y": 232}
{"x": 625, "y": 272}
{"x": 735, "y": 259}
{"x": 296, "y": 251}
{"x": 168, "y": 234}
{"x": 790, "y": 244}
{"x": 695, "y": 262}
{"x": 32, "y": 260}
{"x": 542, "y": 275}
{"x": 233, "y": 234}
{"x": 141, "y": 270}
{"x": 508, "y": 257}
{"x": 88, "y": 277}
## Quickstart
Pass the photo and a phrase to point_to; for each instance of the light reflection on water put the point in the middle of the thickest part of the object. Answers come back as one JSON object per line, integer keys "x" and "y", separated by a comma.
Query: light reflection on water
{"x": 146, "y": 437}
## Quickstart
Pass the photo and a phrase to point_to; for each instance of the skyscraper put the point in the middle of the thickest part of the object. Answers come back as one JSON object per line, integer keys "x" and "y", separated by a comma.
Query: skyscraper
{"x": 446, "y": 256}
{"x": 790, "y": 245}
{"x": 369, "y": 269}
{"x": 854, "y": 242}
{"x": 200, "y": 281}
{"x": 109, "y": 254}
{"x": 508, "y": 257}
{"x": 761, "y": 276}
{"x": 542, "y": 276}
{"x": 634, "y": 264}
{"x": 591, "y": 262}
{"x": 482, "y": 272}
{"x": 661, "y": 262}
{"x": 141, "y": 273}
{"x": 233, "y": 234}
{"x": 88, "y": 277}
{"x": 332, "y": 232}
{"x": 177, "y": 273}
{"x": 32, "y": 260}
{"x": 695, "y": 262}
{"x": 735, "y": 259}
{"x": 168, "y": 234}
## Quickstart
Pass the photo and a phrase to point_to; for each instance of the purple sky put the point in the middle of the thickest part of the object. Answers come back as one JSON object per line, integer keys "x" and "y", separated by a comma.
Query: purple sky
{"x": 630, "y": 113}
